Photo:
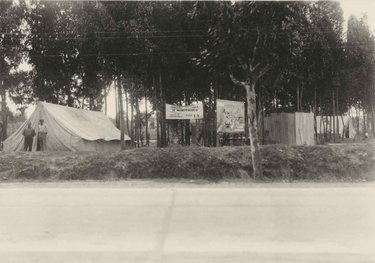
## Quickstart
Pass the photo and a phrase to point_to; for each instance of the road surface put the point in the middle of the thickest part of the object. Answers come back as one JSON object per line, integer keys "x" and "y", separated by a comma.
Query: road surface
{"x": 110, "y": 223}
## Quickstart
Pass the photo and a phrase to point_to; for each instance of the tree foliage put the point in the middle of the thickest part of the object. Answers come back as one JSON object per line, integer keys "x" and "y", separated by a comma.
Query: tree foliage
{"x": 11, "y": 47}
{"x": 295, "y": 54}
{"x": 360, "y": 60}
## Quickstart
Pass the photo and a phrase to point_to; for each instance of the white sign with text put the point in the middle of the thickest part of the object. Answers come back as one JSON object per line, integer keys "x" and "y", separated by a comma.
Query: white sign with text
{"x": 188, "y": 112}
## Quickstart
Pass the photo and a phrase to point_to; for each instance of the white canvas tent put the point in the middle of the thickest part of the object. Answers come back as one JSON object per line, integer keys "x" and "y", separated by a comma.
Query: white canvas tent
{"x": 69, "y": 129}
{"x": 345, "y": 123}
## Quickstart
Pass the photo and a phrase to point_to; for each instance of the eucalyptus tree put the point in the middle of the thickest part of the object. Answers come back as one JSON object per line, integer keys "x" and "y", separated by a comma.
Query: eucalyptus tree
{"x": 155, "y": 42}
{"x": 64, "y": 47}
{"x": 247, "y": 40}
{"x": 52, "y": 51}
{"x": 180, "y": 36}
{"x": 325, "y": 52}
{"x": 93, "y": 25}
{"x": 11, "y": 54}
{"x": 360, "y": 66}
{"x": 320, "y": 88}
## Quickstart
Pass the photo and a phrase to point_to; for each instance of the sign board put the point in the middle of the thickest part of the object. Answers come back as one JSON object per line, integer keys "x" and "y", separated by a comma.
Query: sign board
{"x": 230, "y": 116}
{"x": 189, "y": 112}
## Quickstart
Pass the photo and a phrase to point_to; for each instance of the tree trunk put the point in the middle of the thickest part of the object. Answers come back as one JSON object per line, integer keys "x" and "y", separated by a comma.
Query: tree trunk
{"x": 127, "y": 112}
{"x": 330, "y": 128}
{"x": 132, "y": 117}
{"x": 364, "y": 123}
{"x": 320, "y": 129}
{"x": 146, "y": 122}
{"x": 163, "y": 139}
{"x": 357, "y": 120}
{"x": 337, "y": 114}
{"x": 256, "y": 157}
{"x": 301, "y": 97}
{"x": 157, "y": 117}
{"x": 334, "y": 116}
{"x": 119, "y": 87}
{"x": 105, "y": 101}
{"x": 167, "y": 125}
{"x": 368, "y": 122}
{"x": 209, "y": 121}
{"x": 205, "y": 124}
{"x": 187, "y": 132}
{"x": 4, "y": 113}
{"x": 260, "y": 118}
{"x": 182, "y": 132}
{"x": 216, "y": 137}
{"x": 253, "y": 133}
{"x": 297, "y": 97}
{"x": 343, "y": 128}
{"x": 138, "y": 122}
{"x": 247, "y": 135}
{"x": 315, "y": 122}
{"x": 325, "y": 128}
{"x": 117, "y": 106}
{"x": 70, "y": 99}
{"x": 157, "y": 128}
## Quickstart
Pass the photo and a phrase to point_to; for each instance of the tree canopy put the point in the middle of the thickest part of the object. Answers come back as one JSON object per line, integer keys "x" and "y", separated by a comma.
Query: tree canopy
{"x": 294, "y": 53}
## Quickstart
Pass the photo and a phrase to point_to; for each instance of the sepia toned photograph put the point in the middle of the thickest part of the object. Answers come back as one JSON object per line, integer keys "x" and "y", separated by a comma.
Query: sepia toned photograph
{"x": 187, "y": 131}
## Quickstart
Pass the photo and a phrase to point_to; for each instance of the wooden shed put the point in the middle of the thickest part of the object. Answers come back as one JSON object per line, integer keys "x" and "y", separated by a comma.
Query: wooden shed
{"x": 289, "y": 128}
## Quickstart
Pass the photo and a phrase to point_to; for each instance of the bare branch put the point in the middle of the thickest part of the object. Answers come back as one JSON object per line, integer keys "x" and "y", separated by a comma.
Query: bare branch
{"x": 243, "y": 65}
{"x": 253, "y": 69}
{"x": 265, "y": 40}
{"x": 236, "y": 81}
{"x": 255, "y": 47}
{"x": 264, "y": 70}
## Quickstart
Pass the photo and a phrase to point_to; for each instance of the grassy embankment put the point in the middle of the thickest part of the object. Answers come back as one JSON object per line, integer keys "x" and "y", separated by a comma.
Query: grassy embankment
{"x": 338, "y": 163}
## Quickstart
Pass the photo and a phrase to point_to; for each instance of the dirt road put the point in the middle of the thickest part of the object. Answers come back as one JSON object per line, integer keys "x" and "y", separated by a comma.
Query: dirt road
{"x": 117, "y": 223}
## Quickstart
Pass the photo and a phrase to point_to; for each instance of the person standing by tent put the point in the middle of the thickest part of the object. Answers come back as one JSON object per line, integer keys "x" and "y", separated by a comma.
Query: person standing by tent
{"x": 28, "y": 135}
{"x": 42, "y": 135}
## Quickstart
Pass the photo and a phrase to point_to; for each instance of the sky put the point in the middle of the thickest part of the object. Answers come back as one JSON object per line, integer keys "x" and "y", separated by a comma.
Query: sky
{"x": 350, "y": 7}
{"x": 358, "y": 8}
